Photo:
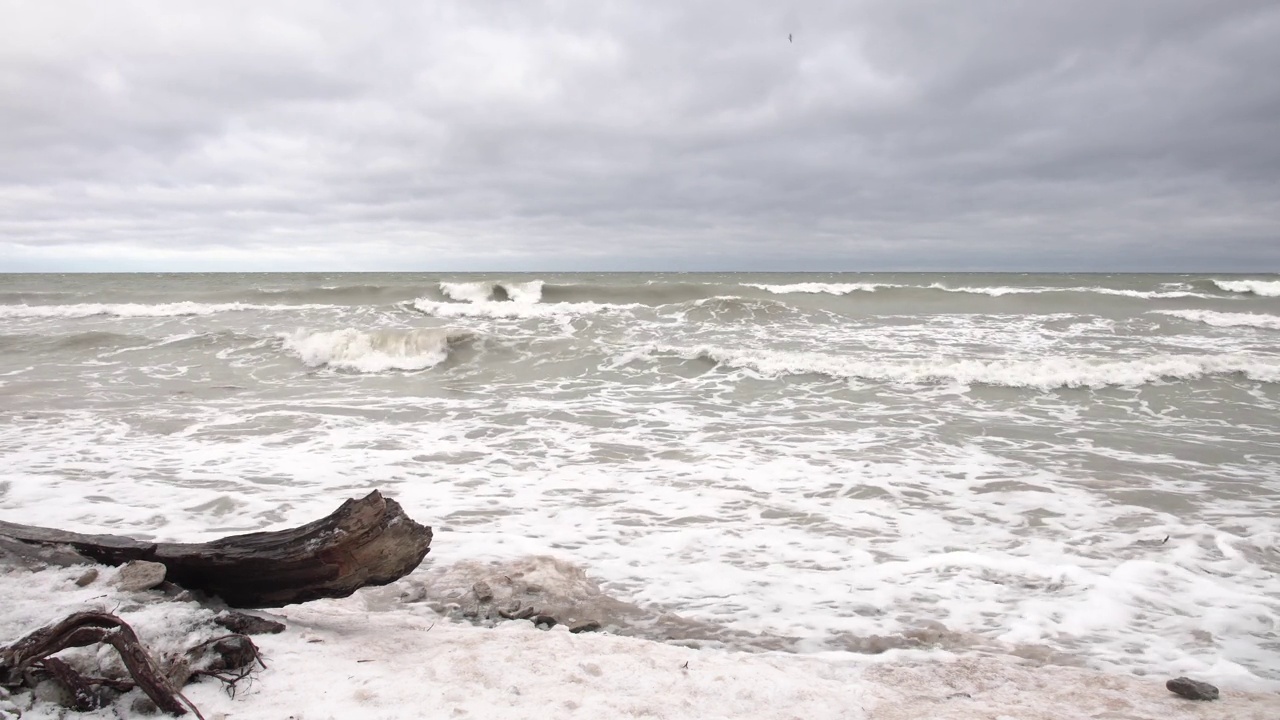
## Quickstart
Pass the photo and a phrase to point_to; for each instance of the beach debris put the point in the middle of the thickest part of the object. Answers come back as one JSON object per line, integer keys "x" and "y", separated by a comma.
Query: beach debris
{"x": 370, "y": 541}
{"x": 139, "y": 575}
{"x": 78, "y": 630}
{"x": 30, "y": 663}
{"x": 1192, "y": 689}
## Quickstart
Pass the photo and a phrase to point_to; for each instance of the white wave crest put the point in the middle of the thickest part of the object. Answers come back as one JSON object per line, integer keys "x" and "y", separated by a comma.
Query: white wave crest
{"x": 373, "y": 351}
{"x": 1043, "y": 373}
{"x": 483, "y": 291}
{"x": 1265, "y": 288}
{"x": 497, "y": 309}
{"x": 814, "y": 288}
{"x": 84, "y": 310}
{"x": 1221, "y": 319}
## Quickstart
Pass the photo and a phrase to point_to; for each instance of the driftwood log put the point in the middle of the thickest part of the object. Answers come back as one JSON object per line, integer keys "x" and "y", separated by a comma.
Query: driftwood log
{"x": 369, "y": 541}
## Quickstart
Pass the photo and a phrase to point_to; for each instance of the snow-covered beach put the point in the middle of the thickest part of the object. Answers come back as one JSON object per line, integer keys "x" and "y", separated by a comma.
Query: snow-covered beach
{"x": 353, "y": 658}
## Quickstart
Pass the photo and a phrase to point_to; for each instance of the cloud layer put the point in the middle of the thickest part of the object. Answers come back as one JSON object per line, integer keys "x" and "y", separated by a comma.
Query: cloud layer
{"x": 580, "y": 135}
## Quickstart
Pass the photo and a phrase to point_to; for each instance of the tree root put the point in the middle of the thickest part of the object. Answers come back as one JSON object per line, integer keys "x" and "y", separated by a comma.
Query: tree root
{"x": 229, "y": 659}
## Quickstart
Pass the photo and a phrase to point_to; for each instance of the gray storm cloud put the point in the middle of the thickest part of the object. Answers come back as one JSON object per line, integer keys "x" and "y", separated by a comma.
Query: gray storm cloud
{"x": 577, "y": 135}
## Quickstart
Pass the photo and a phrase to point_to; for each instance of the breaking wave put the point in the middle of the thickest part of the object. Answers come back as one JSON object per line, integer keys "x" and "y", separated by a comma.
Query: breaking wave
{"x": 496, "y": 290}
{"x": 84, "y": 310}
{"x": 1041, "y": 373}
{"x": 1221, "y": 319}
{"x": 1264, "y": 288}
{"x": 374, "y": 351}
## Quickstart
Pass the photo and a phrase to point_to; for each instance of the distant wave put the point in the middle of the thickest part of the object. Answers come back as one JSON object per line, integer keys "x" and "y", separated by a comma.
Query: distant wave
{"x": 493, "y": 290}
{"x": 343, "y": 294}
{"x": 1043, "y": 373}
{"x": 30, "y": 296}
{"x": 1264, "y": 288}
{"x": 1221, "y": 319}
{"x": 497, "y": 309}
{"x": 374, "y": 351}
{"x": 827, "y": 288}
{"x": 992, "y": 291}
{"x": 84, "y": 310}
{"x": 1002, "y": 291}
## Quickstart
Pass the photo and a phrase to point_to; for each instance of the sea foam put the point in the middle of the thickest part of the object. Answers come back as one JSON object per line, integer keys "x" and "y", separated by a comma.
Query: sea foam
{"x": 1044, "y": 373}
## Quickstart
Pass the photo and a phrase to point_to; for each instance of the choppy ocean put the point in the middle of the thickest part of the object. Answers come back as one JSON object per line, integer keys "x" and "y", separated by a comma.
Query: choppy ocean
{"x": 1080, "y": 469}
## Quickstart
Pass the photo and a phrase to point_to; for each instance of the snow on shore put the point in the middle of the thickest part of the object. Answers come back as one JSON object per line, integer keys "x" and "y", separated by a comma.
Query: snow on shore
{"x": 360, "y": 658}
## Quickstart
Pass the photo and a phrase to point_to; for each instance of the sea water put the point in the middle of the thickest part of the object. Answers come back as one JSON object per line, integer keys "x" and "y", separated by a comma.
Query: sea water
{"x": 1079, "y": 469}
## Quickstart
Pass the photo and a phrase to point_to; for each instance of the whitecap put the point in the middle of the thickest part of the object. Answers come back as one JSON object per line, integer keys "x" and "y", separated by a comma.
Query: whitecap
{"x": 485, "y": 290}
{"x": 1264, "y": 288}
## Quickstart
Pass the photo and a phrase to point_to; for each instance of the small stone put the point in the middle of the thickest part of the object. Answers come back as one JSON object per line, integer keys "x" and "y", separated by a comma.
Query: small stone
{"x": 482, "y": 590}
{"x": 518, "y": 613}
{"x": 247, "y": 624}
{"x": 88, "y": 577}
{"x": 138, "y": 575}
{"x": 175, "y": 592}
{"x": 547, "y": 620}
{"x": 1192, "y": 689}
{"x": 142, "y": 705}
{"x": 588, "y": 626}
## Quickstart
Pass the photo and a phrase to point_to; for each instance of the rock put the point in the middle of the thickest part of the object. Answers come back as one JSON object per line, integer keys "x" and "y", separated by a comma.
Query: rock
{"x": 483, "y": 592}
{"x": 32, "y": 557}
{"x": 547, "y": 620}
{"x": 88, "y": 577}
{"x": 1192, "y": 689}
{"x": 233, "y": 653}
{"x": 247, "y": 624}
{"x": 138, "y": 575}
{"x": 588, "y": 626}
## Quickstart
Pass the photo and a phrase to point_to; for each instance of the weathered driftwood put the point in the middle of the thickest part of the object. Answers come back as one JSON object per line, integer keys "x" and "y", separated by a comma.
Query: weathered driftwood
{"x": 364, "y": 542}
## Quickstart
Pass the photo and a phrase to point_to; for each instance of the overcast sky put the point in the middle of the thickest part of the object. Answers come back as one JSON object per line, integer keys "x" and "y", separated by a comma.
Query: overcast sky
{"x": 518, "y": 134}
